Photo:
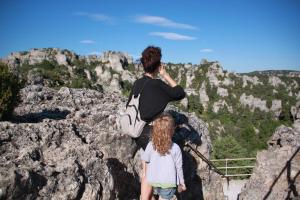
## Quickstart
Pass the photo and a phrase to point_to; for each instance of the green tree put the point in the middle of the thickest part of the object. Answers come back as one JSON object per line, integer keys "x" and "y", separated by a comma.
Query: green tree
{"x": 227, "y": 147}
{"x": 9, "y": 88}
{"x": 194, "y": 104}
{"x": 126, "y": 87}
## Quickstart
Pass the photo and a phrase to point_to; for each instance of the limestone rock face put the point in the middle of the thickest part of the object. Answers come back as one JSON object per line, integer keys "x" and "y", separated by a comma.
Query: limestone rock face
{"x": 221, "y": 104}
{"x": 276, "y": 173}
{"x": 190, "y": 76}
{"x": 276, "y": 81}
{"x": 116, "y": 60}
{"x": 276, "y": 107}
{"x": 204, "y": 99}
{"x": 253, "y": 102}
{"x": 223, "y": 92}
{"x": 254, "y": 80}
{"x": 67, "y": 144}
{"x": 214, "y": 71}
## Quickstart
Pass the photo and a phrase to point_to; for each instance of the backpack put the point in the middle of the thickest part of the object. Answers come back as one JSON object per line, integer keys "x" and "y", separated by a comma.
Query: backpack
{"x": 130, "y": 121}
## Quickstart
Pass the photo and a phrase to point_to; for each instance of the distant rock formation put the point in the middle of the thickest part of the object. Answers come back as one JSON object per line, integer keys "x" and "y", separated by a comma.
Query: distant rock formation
{"x": 253, "y": 102}
{"x": 66, "y": 144}
{"x": 277, "y": 171}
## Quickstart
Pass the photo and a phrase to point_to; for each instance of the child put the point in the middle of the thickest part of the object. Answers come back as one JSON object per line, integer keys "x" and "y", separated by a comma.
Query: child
{"x": 162, "y": 159}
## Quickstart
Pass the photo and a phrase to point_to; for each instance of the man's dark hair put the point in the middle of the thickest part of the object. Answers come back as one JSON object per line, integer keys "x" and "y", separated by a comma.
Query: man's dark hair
{"x": 151, "y": 57}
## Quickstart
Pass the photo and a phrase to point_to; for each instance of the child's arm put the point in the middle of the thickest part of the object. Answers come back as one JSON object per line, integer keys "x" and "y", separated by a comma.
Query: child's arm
{"x": 144, "y": 169}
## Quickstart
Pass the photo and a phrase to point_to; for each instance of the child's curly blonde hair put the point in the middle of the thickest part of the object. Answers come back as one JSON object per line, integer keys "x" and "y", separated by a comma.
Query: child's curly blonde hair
{"x": 163, "y": 130}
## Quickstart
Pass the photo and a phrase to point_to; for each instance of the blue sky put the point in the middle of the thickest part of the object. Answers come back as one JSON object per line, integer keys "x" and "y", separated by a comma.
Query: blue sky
{"x": 243, "y": 35}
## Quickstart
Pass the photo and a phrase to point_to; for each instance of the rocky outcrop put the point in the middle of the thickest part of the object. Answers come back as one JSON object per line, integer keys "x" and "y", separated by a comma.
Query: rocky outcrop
{"x": 67, "y": 144}
{"x": 214, "y": 71}
{"x": 253, "y": 102}
{"x": 116, "y": 60}
{"x": 223, "y": 92}
{"x": 275, "y": 81}
{"x": 276, "y": 107}
{"x": 276, "y": 173}
{"x": 204, "y": 99}
{"x": 221, "y": 104}
{"x": 190, "y": 76}
{"x": 252, "y": 80}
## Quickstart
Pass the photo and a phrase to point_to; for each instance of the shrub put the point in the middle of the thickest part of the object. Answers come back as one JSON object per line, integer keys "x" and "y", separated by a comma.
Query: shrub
{"x": 80, "y": 83}
{"x": 126, "y": 87}
{"x": 227, "y": 147}
{"x": 195, "y": 105}
{"x": 9, "y": 89}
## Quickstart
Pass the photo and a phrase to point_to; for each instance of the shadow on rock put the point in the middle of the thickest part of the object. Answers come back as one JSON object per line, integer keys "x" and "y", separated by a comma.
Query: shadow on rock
{"x": 126, "y": 186}
{"x": 39, "y": 117}
{"x": 27, "y": 185}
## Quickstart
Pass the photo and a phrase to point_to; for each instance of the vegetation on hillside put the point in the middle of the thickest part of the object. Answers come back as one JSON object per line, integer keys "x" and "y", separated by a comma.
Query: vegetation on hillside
{"x": 242, "y": 132}
{"x": 9, "y": 89}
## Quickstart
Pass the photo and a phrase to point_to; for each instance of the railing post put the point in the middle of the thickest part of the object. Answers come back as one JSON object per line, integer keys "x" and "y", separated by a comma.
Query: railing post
{"x": 226, "y": 167}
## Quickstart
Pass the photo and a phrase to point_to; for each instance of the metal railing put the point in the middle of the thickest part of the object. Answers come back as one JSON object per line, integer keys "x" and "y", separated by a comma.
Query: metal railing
{"x": 210, "y": 164}
{"x": 230, "y": 163}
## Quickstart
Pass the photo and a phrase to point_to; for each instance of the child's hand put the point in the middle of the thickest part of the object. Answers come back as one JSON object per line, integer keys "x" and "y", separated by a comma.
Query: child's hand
{"x": 181, "y": 188}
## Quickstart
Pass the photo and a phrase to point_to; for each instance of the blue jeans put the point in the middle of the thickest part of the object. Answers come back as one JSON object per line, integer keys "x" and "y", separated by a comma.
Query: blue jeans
{"x": 165, "y": 193}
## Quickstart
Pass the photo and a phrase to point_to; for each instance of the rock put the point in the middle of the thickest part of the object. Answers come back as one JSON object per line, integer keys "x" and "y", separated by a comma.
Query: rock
{"x": 223, "y": 92}
{"x": 254, "y": 80}
{"x": 88, "y": 74}
{"x": 204, "y": 99}
{"x": 114, "y": 84}
{"x": 184, "y": 102}
{"x": 102, "y": 74}
{"x": 276, "y": 173}
{"x": 253, "y": 102}
{"x": 67, "y": 144}
{"x": 61, "y": 59}
{"x": 276, "y": 81}
{"x": 187, "y": 66}
{"x": 190, "y": 76}
{"x": 227, "y": 82}
{"x": 116, "y": 60}
{"x": 34, "y": 77}
{"x": 276, "y": 107}
{"x": 214, "y": 71}
{"x": 221, "y": 104}
{"x": 127, "y": 76}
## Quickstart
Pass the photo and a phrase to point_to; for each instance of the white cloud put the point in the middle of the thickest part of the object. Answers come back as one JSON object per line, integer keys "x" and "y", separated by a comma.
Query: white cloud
{"x": 87, "y": 41}
{"x": 162, "y": 21}
{"x": 172, "y": 36}
{"x": 95, "y": 16}
{"x": 206, "y": 50}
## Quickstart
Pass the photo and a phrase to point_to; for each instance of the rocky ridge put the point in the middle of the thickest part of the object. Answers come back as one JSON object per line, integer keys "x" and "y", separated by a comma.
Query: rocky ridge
{"x": 215, "y": 95}
{"x": 66, "y": 144}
